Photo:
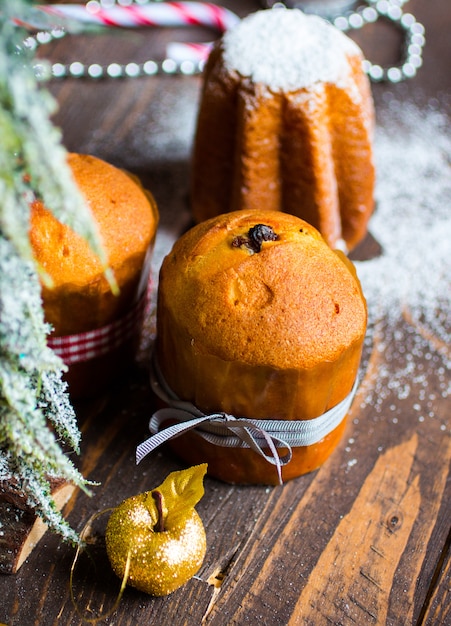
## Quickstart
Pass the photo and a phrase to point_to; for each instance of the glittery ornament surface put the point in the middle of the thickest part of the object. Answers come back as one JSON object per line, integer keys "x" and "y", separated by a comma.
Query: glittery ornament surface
{"x": 160, "y": 561}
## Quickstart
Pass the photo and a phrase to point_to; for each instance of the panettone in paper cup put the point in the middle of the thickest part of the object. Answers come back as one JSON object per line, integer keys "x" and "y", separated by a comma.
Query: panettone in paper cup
{"x": 260, "y": 328}
{"x": 95, "y": 331}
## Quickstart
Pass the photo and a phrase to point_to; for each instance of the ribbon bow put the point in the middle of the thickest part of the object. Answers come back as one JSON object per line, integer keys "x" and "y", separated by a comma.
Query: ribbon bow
{"x": 226, "y": 430}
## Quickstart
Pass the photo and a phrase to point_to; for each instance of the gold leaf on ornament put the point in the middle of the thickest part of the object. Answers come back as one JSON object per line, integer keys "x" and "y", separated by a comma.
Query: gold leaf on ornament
{"x": 181, "y": 491}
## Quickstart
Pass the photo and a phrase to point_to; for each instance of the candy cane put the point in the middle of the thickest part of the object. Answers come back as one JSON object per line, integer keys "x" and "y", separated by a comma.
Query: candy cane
{"x": 169, "y": 14}
{"x": 162, "y": 14}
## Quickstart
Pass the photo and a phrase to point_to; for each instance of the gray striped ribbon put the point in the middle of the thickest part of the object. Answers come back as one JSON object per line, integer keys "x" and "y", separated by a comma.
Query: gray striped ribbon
{"x": 222, "y": 429}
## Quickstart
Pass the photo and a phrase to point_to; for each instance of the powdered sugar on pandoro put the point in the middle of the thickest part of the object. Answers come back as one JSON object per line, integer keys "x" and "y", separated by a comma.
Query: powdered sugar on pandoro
{"x": 286, "y": 50}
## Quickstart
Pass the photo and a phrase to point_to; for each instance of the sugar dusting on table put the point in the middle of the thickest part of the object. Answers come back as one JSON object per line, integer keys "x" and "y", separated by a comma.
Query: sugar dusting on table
{"x": 408, "y": 287}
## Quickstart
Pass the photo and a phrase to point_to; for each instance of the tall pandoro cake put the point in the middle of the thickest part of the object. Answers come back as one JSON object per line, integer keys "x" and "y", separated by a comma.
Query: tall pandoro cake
{"x": 285, "y": 123}
{"x": 258, "y": 318}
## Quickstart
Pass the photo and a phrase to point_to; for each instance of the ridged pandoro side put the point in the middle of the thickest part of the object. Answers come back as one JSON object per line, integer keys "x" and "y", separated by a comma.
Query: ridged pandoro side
{"x": 307, "y": 151}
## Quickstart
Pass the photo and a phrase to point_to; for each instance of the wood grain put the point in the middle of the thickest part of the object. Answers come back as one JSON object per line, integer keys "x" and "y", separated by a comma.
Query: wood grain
{"x": 21, "y": 528}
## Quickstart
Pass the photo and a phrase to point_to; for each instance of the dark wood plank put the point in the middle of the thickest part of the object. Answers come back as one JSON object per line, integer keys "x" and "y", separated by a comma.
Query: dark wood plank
{"x": 21, "y": 529}
{"x": 438, "y": 609}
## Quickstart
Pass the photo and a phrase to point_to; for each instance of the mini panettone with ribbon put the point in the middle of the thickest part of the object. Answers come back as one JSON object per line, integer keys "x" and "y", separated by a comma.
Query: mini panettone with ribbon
{"x": 95, "y": 331}
{"x": 260, "y": 329}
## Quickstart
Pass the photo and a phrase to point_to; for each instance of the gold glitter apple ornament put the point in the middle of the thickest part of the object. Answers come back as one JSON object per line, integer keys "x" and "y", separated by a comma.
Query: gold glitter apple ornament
{"x": 156, "y": 540}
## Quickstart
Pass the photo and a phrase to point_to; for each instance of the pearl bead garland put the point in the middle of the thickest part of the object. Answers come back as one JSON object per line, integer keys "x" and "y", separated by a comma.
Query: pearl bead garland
{"x": 367, "y": 13}
{"x": 414, "y": 38}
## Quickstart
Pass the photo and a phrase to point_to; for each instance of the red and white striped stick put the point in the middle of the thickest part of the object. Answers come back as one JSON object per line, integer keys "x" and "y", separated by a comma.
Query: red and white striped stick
{"x": 155, "y": 14}
{"x": 169, "y": 14}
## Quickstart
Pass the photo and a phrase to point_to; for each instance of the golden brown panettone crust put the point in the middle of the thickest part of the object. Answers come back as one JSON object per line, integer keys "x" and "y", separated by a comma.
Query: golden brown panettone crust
{"x": 272, "y": 334}
{"x": 80, "y": 298}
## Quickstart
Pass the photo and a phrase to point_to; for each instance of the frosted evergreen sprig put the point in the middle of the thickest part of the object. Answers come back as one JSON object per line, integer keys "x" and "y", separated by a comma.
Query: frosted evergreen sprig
{"x": 23, "y": 345}
{"x": 32, "y": 394}
{"x": 37, "y": 421}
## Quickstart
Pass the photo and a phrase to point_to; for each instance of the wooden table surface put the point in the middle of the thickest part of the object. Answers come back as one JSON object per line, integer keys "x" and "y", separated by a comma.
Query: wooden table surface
{"x": 364, "y": 540}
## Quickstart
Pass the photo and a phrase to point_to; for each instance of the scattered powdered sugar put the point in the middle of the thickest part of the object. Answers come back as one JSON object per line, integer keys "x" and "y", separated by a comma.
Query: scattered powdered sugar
{"x": 286, "y": 50}
{"x": 408, "y": 287}
{"x": 412, "y": 220}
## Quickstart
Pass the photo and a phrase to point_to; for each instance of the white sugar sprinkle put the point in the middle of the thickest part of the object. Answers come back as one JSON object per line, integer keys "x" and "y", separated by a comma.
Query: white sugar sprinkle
{"x": 285, "y": 49}
{"x": 408, "y": 287}
{"x": 412, "y": 221}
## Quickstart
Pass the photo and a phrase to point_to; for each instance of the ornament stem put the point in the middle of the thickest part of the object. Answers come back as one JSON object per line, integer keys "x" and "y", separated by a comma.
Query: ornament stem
{"x": 158, "y": 497}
